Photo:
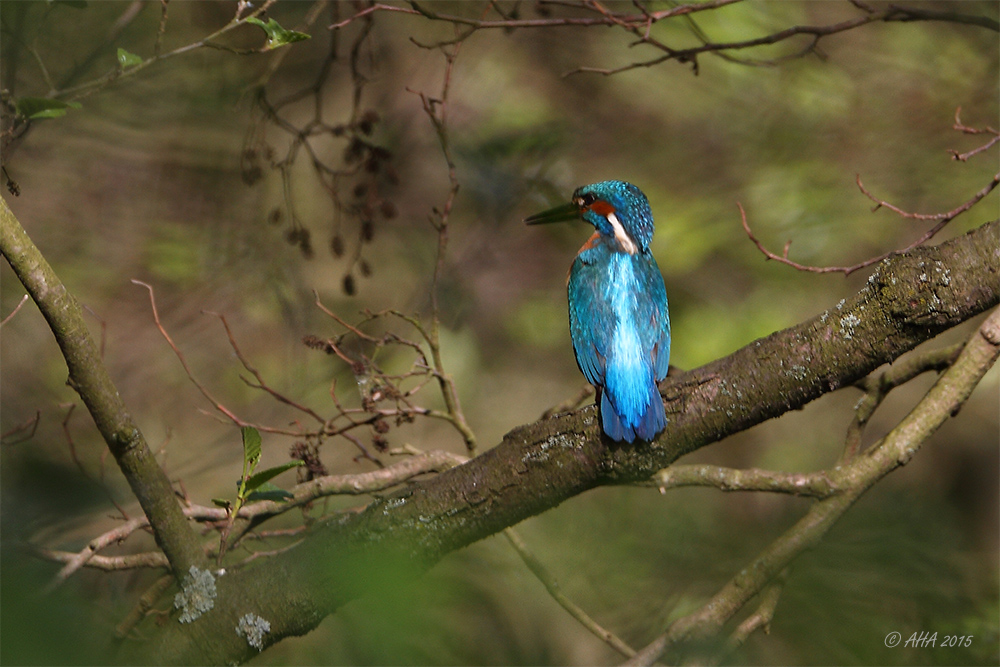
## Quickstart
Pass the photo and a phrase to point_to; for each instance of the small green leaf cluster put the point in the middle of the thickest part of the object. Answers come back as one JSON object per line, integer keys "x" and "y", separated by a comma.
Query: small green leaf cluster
{"x": 256, "y": 485}
{"x": 127, "y": 59}
{"x": 33, "y": 108}
{"x": 276, "y": 35}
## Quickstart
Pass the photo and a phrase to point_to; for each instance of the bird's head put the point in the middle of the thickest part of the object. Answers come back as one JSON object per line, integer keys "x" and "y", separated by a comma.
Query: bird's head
{"x": 617, "y": 209}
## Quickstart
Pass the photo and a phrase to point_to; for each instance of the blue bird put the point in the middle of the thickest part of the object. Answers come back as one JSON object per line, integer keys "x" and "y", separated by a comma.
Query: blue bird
{"x": 618, "y": 307}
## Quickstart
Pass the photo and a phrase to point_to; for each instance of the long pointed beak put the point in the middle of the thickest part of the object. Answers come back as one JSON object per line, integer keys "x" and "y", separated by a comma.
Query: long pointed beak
{"x": 558, "y": 214}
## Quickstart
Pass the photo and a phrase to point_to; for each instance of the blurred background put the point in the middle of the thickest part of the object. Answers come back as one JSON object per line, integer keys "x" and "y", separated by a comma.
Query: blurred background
{"x": 165, "y": 176}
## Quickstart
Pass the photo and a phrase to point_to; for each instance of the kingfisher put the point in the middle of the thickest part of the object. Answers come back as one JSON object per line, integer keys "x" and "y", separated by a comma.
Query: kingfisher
{"x": 618, "y": 317}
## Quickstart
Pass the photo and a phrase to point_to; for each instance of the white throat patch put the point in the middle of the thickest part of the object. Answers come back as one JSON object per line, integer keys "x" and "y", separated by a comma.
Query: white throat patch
{"x": 623, "y": 239}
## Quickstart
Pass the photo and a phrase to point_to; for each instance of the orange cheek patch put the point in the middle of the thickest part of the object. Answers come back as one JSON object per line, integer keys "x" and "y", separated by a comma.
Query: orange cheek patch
{"x": 602, "y": 208}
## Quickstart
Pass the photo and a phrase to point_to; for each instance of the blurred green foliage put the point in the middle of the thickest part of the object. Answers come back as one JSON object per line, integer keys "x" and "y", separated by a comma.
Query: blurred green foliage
{"x": 144, "y": 182}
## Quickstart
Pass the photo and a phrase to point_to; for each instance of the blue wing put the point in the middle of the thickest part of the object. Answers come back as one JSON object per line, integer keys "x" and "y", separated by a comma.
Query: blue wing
{"x": 655, "y": 315}
{"x": 653, "y": 319}
{"x": 589, "y": 317}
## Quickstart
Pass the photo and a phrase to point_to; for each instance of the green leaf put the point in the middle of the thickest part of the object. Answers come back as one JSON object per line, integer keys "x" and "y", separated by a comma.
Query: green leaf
{"x": 268, "y": 491}
{"x": 276, "y": 35}
{"x": 259, "y": 480}
{"x": 126, "y": 59}
{"x": 251, "y": 446}
{"x": 44, "y": 107}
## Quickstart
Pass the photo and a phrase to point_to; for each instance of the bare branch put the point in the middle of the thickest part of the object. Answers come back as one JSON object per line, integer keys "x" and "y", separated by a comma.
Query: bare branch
{"x": 145, "y": 560}
{"x": 261, "y": 384}
{"x": 571, "y": 403}
{"x": 180, "y": 357}
{"x": 941, "y": 217}
{"x": 392, "y": 475}
{"x": 814, "y": 485}
{"x": 942, "y": 220}
{"x": 761, "y": 617}
{"x": 30, "y": 425}
{"x": 88, "y": 553}
{"x": 965, "y": 129}
{"x": 877, "y": 387}
{"x": 552, "y": 586}
{"x": 437, "y": 112}
{"x": 24, "y": 300}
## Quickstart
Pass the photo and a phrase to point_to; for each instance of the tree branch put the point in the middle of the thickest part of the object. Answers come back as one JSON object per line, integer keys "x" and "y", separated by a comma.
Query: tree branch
{"x": 89, "y": 378}
{"x": 816, "y": 485}
{"x": 909, "y": 299}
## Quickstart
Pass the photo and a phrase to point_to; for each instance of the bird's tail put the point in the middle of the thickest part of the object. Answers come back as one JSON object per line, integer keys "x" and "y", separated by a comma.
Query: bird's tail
{"x": 644, "y": 426}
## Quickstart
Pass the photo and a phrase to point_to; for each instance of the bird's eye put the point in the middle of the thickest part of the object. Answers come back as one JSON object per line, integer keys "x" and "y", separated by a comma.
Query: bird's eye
{"x": 585, "y": 200}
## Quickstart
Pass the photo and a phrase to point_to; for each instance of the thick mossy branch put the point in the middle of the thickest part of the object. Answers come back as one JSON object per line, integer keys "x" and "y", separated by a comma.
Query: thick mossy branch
{"x": 909, "y": 299}
{"x": 89, "y": 377}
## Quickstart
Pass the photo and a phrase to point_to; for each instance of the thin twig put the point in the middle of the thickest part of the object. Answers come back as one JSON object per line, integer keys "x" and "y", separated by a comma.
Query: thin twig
{"x": 29, "y": 425}
{"x": 965, "y": 129}
{"x": 761, "y": 617}
{"x": 437, "y": 112}
{"x": 90, "y": 87}
{"x": 552, "y": 586}
{"x": 941, "y": 217}
{"x": 180, "y": 357}
{"x": 419, "y": 463}
{"x": 261, "y": 384}
{"x": 24, "y": 300}
{"x": 877, "y": 387}
{"x": 95, "y": 545}
{"x": 570, "y": 404}
{"x": 144, "y": 560}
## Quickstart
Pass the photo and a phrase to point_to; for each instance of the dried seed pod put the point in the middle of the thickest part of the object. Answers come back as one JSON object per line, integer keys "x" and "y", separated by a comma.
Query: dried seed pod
{"x": 337, "y": 246}
{"x": 305, "y": 243}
